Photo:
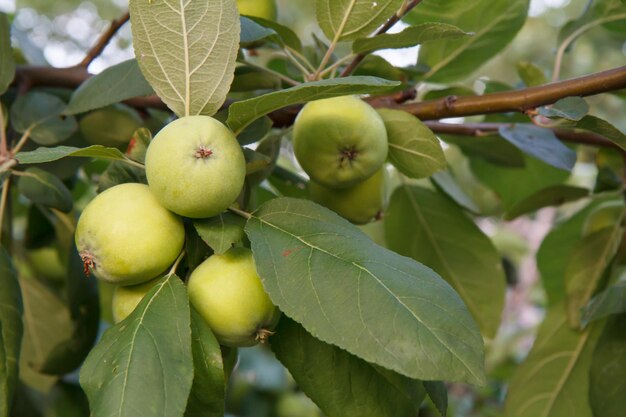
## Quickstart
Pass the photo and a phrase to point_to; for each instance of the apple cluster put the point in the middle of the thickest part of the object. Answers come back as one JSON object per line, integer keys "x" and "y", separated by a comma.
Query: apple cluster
{"x": 130, "y": 234}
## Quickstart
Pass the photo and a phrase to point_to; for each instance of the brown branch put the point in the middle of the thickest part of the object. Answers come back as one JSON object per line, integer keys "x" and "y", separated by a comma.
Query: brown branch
{"x": 383, "y": 29}
{"x": 104, "y": 40}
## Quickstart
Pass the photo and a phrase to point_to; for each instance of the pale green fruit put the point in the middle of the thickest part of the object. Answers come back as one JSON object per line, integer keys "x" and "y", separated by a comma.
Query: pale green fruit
{"x": 126, "y": 237}
{"x": 339, "y": 141}
{"x": 111, "y": 126}
{"x": 606, "y": 214}
{"x": 228, "y": 293}
{"x": 265, "y": 9}
{"x": 359, "y": 204}
{"x": 195, "y": 167}
{"x": 126, "y": 298}
{"x": 294, "y": 404}
{"x": 46, "y": 263}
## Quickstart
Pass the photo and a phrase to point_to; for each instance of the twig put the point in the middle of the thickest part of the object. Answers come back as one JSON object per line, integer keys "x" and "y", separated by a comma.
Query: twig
{"x": 22, "y": 141}
{"x": 3, "y": 203}
{"x": 104, "y": 40}
{"x": 383, "y": 29}
{"x": 174, "y": 267}
{"x": 293, "y": 54}
{"x": 4, "y": 149}
{"x": 272, "y": 72}
{"x": 241, "y": 213}
{"x": 332, "y": 46}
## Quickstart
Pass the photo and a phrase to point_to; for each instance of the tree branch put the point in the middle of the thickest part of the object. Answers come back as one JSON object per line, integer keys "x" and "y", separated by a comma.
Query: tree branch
{"x": 104, "y": 40}
{"x": 383, "y": 29}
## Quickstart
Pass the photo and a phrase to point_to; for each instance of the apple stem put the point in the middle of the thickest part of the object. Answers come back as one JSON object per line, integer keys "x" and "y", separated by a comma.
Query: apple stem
{"x": 263, "y": 334}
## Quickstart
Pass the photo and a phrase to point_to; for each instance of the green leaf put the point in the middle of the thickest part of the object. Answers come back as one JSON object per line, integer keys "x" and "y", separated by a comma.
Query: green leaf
{"x": 432, "y": 230}
{"x": 551, "y": 196}
{"x": 438, "y": 394}
{"x": 413, "y": 148}
{"x": 554, "y": 380}
{"x": 570, "y": 108}
{"x": 252, "y": 32}
{"x": 588, "y": 260}
{"x": 221, "y": 232}
{"x": 41, "y": 155}
{"x": 187, "y": 51}
{"x": 145, "y": 362}
{"x": 120, "y": 173}
{"x": 41, "y": 114}
{"x": 494, "y": 23}
{"x": 531, "y": 74}
{"x": 7, "y": 64}
{"x": 608, "y": 367}
{"x": 491, "y": 148}
{"x": 41, "y": 187}
{"x": 208, "y": 389}
{"x": 255, "y": 29}
{"x": 326, "y": 274}
{"x": 602, "y": 127}
{"x": 374, "y": 391}
{"x": 541, "y": 143}
{"x": 610, "y": 13}
{"x": 244, "y": 112}
{"x": 347, "y": 20}
{"x": 608, "y": 302}
{"x": 411, "y": 36}
{"x": 447, "y": 184}
{"x": 11, "y": 331}
{"x": 117, "y": 83}
{"x": 66, "y": 400}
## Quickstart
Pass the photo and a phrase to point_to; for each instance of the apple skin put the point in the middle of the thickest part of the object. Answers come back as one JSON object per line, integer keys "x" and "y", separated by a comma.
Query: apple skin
{"x": 46, "y": 263}
{"x": 359, "y": 204}
{"x": 195, "y": 167}
{"x": 111, "y": 126}
{"x": 227, "y": 292}
{"x": 126, "y": 237}
{"x": 339, "y": 141}
{"x": 265, "y": 9}
{"x": 126, "y": 298}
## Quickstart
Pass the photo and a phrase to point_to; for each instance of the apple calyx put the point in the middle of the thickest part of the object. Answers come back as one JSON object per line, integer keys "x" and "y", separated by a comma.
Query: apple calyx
{"x": 263, "y": 334}
{"x": 348, "y": 153}
{"x": 89, "y": 262}
{"x": 203, "y": 152}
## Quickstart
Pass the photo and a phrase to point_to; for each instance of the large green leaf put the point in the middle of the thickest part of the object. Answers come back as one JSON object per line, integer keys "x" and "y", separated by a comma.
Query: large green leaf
{"x": 208, "y": 389}
{"x": 608, "y": 302}
{"x": 550, "y": 196}
{"x": 221, "y": 232}
{"x": 554, "y": 380}
{"x": 11, "y": 330}
{"x": 41, "y": 155}
{"x": 411, "y": 36}
{"x": 346, "y": 20}
{"x": 41, "y": 187}
{"x": 494, "y": 23}
{"x": 602, "y": 127}
{"x": 344, "y": 289}
{"x": 433, "y": 230}
{"x": 608, "y": 368}
{"x": 333, "y": 372}
{"x": 117, "y": 83}
{"x": 7, "y": 64}
{"x": 144, "y": 364}
{"x": 244, "y": 112}
{"x": 187, "y": 51}
{"x": 438, "y": 394}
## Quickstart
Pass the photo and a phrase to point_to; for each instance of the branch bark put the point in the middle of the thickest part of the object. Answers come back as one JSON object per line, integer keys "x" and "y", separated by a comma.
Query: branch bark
{"x": 104, "y": 40}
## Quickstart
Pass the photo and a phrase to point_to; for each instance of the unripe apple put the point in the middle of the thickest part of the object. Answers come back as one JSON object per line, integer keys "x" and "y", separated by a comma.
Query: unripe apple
{"x": 126, "y": 237}
{"x": 359, "y": 204}
{"x": 258, "y": 8}
{"x": 126, "y": 298}
{"x": 339, "y": 141}
{"x": 46, "y": 263}
{"x": 227, "y": 292}
{"x": 195, "y": 167}
{"x": 110, "y": 126}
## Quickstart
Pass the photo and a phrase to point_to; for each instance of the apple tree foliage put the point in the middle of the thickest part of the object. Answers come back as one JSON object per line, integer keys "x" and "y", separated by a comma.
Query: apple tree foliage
{"x": 376, "y": 323}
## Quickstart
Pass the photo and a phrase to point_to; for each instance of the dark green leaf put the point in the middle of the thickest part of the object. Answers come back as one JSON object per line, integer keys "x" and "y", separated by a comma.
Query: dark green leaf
{"x": 432, "y": 230}
{"x": 42, "y": 154}
{"x": 208, "y": 389}
{"x": 242, "y": 113}
{"x": 570, "y": 108}
{"x": 269, "y": 148}
{"x": 411, "y": 36}
{"x": 608, "y": 302}
{"x": 281, "y": 34}
{"x": 541, "y": 143}
{"x": 41, "y": 187}
{"x": 610, "y": 13}
{"x": 221, "y": 232}
{"x": 117, "y": 83}
{"x": 551, "y": 196}
{"x": 144, "y": 362}
{"x": 7, "y": 64}
{"x": 438, "y": 394}
{"x": 491, "y": 148}
{"x": 494, "y": 23}
{"x": 326, "y": 274}
{"x": 531, "y": 74}
{"x": 447, "y": 184}
{"x": 120, "y": 173}
{"x": 602, "y": 127}
{"x": 608, "y": 367}
{"x": 40, "y": 113}
{"x": 554, "y": 380}
{"x": 11, "y": 331}
{"x": 252, "y": 32}
{"x": 67, "y": 400}
{"x": 325, "y": 373}
{"x": 251, "y": 79}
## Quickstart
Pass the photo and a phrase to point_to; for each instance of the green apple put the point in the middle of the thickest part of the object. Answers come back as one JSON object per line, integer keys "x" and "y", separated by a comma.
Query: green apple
{"x": 126, "y": 237}
{"x": 359, "y": 204}
{"x": 339, "y": 141}
{"x": 265, "y": 9}
{"x": 111, "y": 126}
{"x": 126, "y": 298}
{"x": 296, "y": 404}
{"x": 228, "y": 293}
{"x": 195, "y": 167}
{"x": 46, "y": 263}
